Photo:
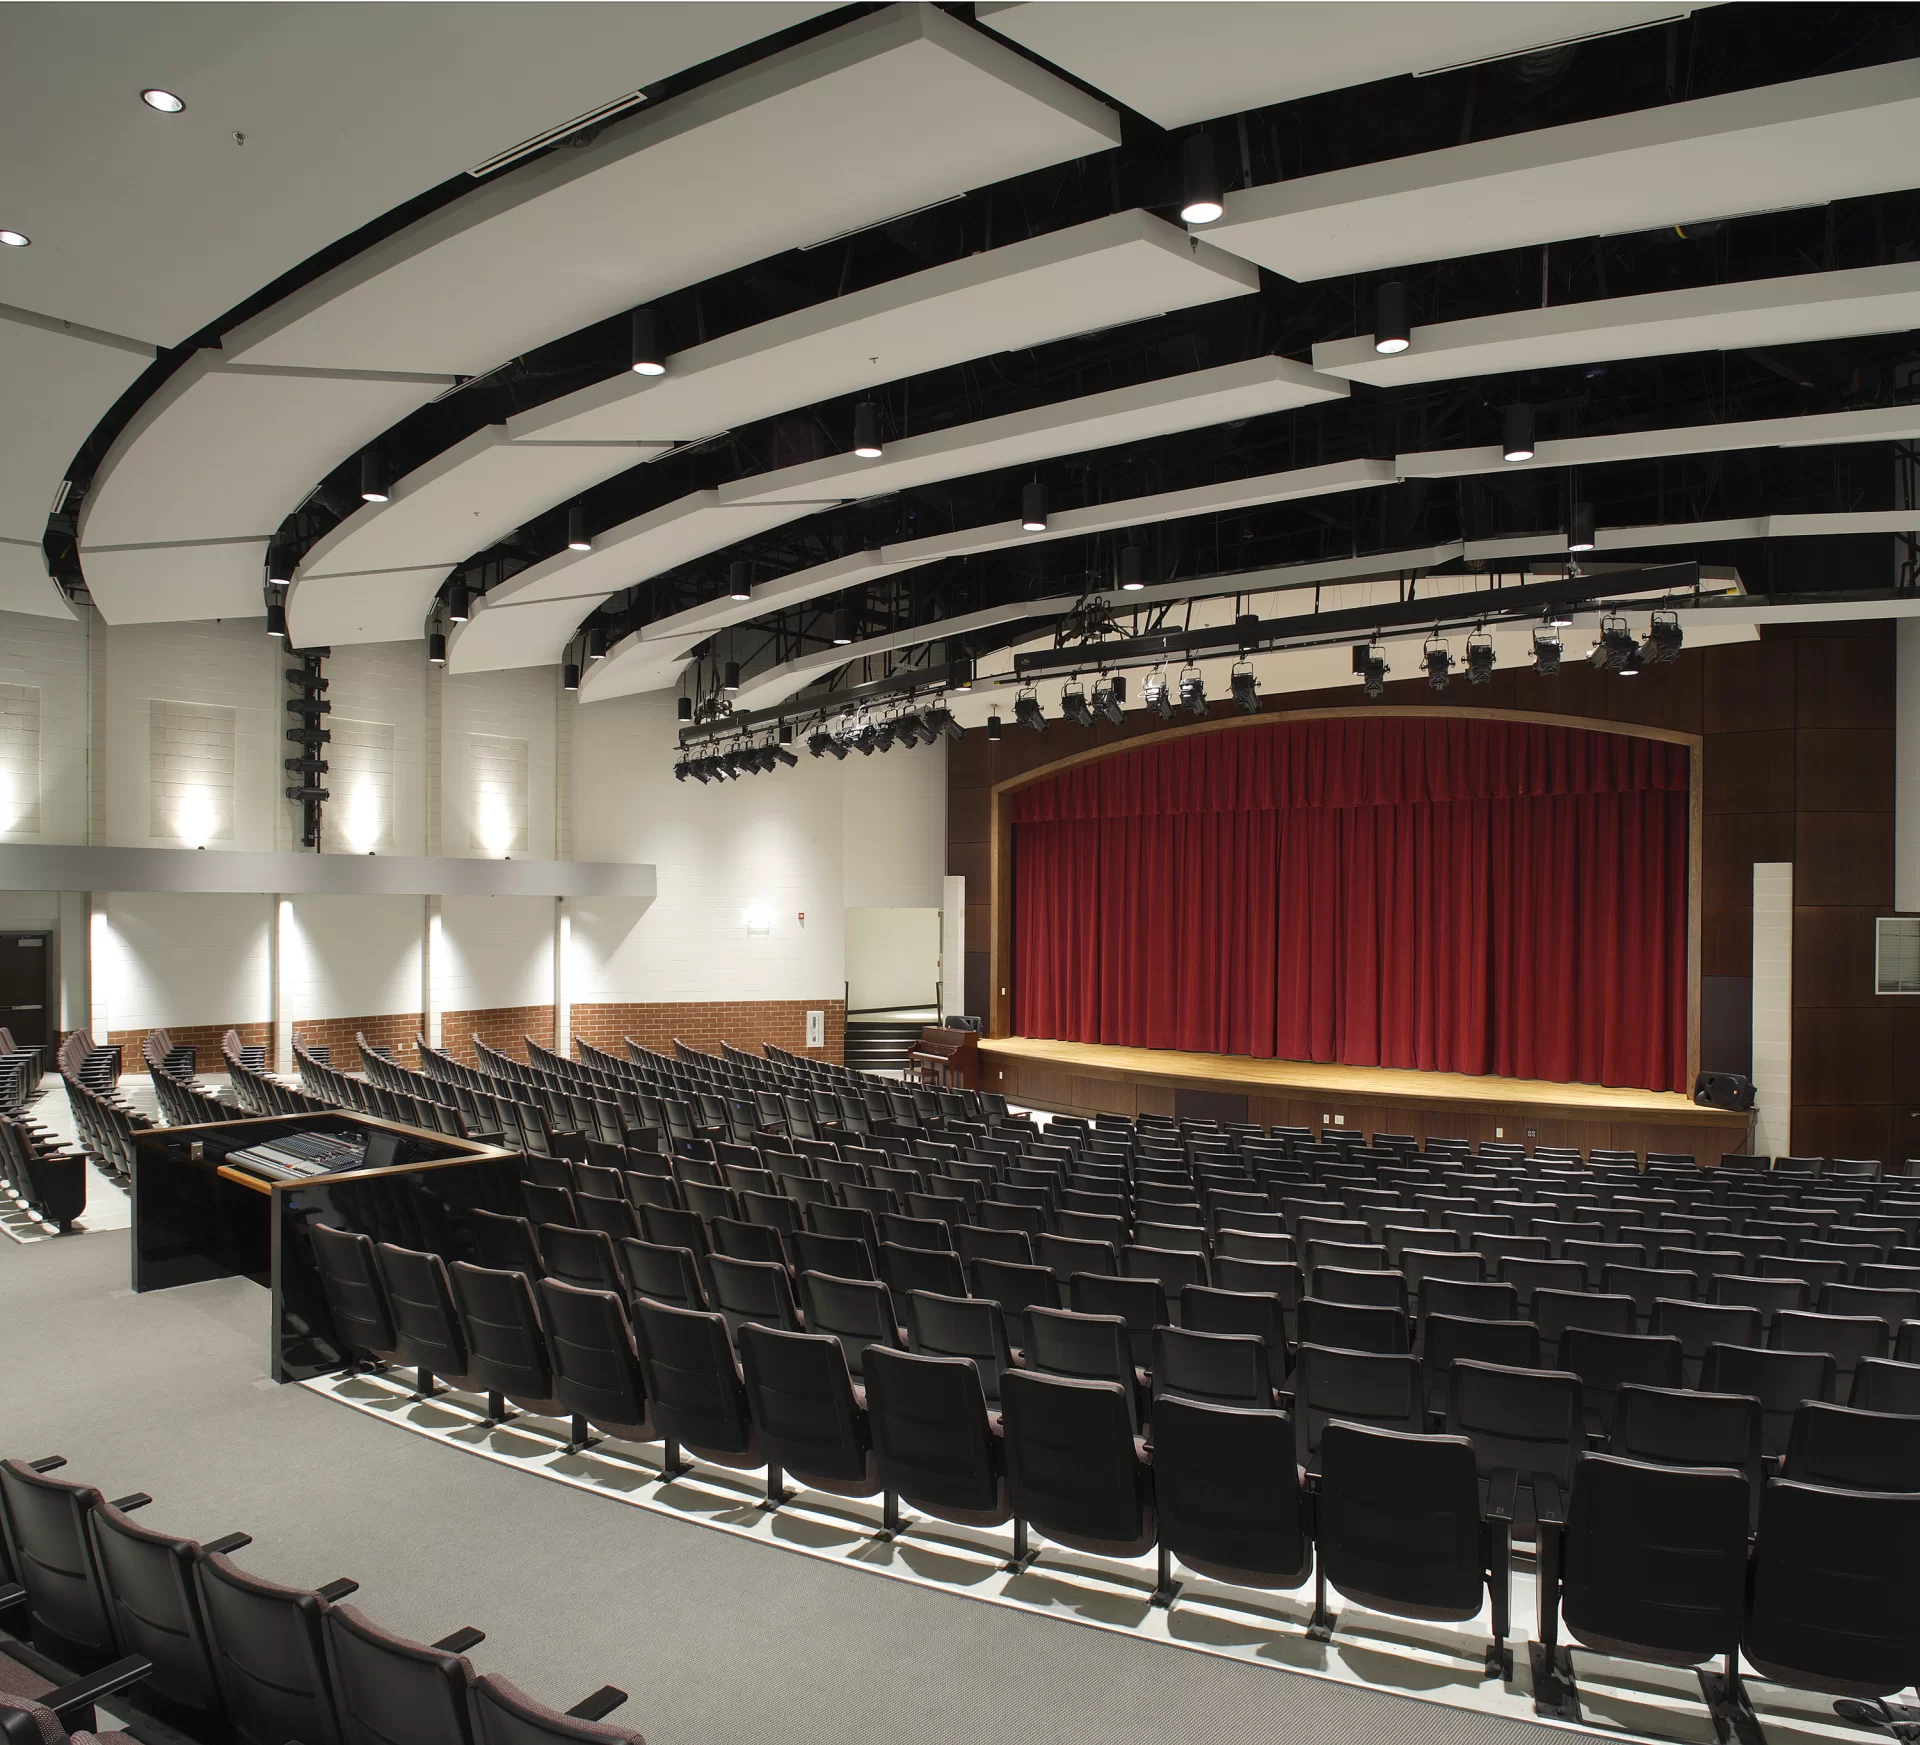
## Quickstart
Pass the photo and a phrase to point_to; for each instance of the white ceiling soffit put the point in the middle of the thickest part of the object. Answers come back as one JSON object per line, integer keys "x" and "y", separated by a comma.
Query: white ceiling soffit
{"x": 706, "y": 521}
{"x": 498, "y": 638}
{"x": 223, "y": 451}
{"x": 1760, "y": 312}
{"x": 1182, "y": 63}
{"x": 164, "y": 584}
{"x": 1106, "y": 273}
{"x": 895, "y": 111}
{"x": 25, "y": 585}
{"x": 780, "y": 682}
{"x": 59, "y": 381}
{"x": 371, "y": 606}
{"x": 1111, "y": 271}
{"x": 1796, "y": 144}
{"x": 155, "y": 225}
{"x": 1814, "y": 430}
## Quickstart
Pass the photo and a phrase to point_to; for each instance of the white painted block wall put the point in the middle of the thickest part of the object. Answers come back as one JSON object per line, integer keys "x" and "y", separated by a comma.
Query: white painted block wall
{"x": 494, "y": 951}
{"x": 183, "y": 958}
{"x": 351, "y": 957}
{"x": 1773, "y": 1007}
{"x": 1906, "y": 777}
{"x": 50, "y": 655}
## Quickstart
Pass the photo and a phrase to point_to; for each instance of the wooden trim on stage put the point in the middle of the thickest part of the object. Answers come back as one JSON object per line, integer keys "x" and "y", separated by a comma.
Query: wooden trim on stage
{"x": 1084, "y": 1078}
{"x": 1000, "y": 842}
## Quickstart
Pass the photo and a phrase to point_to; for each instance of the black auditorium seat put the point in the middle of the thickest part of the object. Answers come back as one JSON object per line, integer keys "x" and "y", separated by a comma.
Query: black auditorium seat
{"x": 1448, "y": 1338}
{"x": 1882, "y": 1384}
{"x": 811, "y": 1422}
{"x": 695, "y": 1395}
{"x": 934, "y": 1443}
{"x": 857, "y": 1312}
{"x": 1363, "y": 1387}
{"x": 388, "y": 1690}
{"x": 507, "y": 1355}
{"x": 752, "y": 1292}
{"x": 1353, "y": 1326}
{"x": 1228, "y": 1497}
{"x": 504, "y": 1244}
{"x": 47, "y": 1543}
{"x": 596, "y": 1371}
{"x": 356, "y": 1295}
{"x": 1530, "y": 1422}
{"x": 1220, "y": 1369}
{"x": 1403, "y": 1529}
{"x": 1076, "y": 1470}
{"x": 503, "y": 1714}
{"x": 667, "y": 1275}
{"x": 426, "y": 1323}
{"x": 959, "y": 1326}
{"x": 1085, "y": 1348}
{"x": 1606, "y": 1362}
{"x": 269, "y": 1654}
{"x": 1779, "y": 1380}
{"x": 1849, "y": 1449}
{"x": 1682, "y": 1427}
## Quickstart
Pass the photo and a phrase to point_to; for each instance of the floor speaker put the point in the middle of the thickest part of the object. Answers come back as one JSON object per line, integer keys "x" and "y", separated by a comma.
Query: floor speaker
{"x": 1724, "y": 1090}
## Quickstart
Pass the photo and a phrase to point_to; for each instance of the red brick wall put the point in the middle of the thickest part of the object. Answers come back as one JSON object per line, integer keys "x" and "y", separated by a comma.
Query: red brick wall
{"x": 705, "y": 1024}
{"x": 203, "y": 1039}
{"x": 394, "y": 1030}
{"x": 505, "y": 1028}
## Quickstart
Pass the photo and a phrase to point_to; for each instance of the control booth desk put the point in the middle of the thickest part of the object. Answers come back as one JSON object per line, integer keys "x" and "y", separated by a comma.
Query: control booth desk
{"x": 230, "y": 1199}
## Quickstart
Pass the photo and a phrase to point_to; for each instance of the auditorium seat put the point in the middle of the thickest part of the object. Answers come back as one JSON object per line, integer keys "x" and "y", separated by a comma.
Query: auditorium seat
{"x": 426, "y": 1323}
{"x": 1352, "y": 1326}
{"x": 1558, "y": 1312}
{"x": 503, "y": 1714}
{"x": 1223, "y": 1369}
{"x": 695, "y": 1396}
{"x": 1209, "y": 1309}
{"x": 388, "y": 1689}
{"x": 1779, "y": 1380}
{"x": 906, "y": 1270}
{"x": 1445, "y": 1339}
{"x": 1075, "y": 1468}
{"x": 1845, "y": 1338}
{"x": 1882, "y": 1384}
{"x": 596, "y": 1371}
{"x": 1227, "y": 1497}
{"x": 1852, "y": 1449}
{"x": 1680, "y": 1427}
{"x": 934, "y": 1444}
{"x": 356, "y": 1294}
{"x": 1015, "y": 1288}
{"x": 809, "y": 1419}
{"x": 1403, "y": 1529}
{"x": 942, "y": 1325}
{"x": 45, "y": 1527}
{"x": 1523, "y": 1421}
{"x": 1698, "y": 1325}
{"x": 838, "y": 1256}
{"x": 857, "y": 1312}
{"x": 1607, "y": 1361}
{"x": 1140, "y": 1302}
{"x": 584, "y": 1258}
{"x": 269, "y": 1654}
{"x": 1361, "y": 1386}
{"x": 1485, "y": 1300}
{"x": 1064, "y": 1255}
{"x": 507, "y": 1353}
{"x": 752, "y": 1291}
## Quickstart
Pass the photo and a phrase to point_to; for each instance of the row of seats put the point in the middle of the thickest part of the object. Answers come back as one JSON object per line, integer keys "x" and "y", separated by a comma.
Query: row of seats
{"x": 50, "y": 1182}
{"x": 96, "y": 1065}
{"x": 199, "y": 1644}
{"x": 20, "y": 1070}
{"x": 1396, "y": 1517}
{"x": 258, "y": 1091}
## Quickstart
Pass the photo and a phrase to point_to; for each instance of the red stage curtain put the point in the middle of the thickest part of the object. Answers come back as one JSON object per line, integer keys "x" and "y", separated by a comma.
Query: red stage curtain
{"x": 1453, "y": 895}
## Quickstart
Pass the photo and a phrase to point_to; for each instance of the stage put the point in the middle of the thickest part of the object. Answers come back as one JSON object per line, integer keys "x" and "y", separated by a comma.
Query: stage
{"x": 1079, "y": 1078}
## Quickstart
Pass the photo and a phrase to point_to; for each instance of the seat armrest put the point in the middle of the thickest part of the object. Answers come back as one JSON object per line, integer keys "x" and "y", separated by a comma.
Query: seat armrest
{"x": 133, "y": 1500}
{"x": 227, "y": 1546}
{"x": 11, "y": 1595}
{"x": 461, "y": 1640}
{"x": 52, "y": 1463}
{"x": 335, "y": 1591}
{"x": 1502, "y": 1489}
{"x": 69, "y": 1700}
{"x": 603, "y": 1702}
{"x": 1549, "y": 1508}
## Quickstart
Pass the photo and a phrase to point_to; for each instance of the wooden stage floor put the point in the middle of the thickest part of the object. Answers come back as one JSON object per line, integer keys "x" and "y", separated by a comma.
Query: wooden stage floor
{"x": 1083, "y": 1078}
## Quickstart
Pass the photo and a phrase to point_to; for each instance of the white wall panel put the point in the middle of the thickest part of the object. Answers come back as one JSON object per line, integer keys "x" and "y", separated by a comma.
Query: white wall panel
{"x": 350, "y": 957}
{"x": 513, "y": 706}
{"x": 896, "y": 828}
{"x": 185, "y": 959}
{"x": 494, "y": 951}
{"x": 50, "y": 655}
{"x": 1906, "y": 800}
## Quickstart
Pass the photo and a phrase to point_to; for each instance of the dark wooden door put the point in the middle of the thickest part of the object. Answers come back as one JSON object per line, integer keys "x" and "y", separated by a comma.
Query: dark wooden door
{"x": 26, "y": 988}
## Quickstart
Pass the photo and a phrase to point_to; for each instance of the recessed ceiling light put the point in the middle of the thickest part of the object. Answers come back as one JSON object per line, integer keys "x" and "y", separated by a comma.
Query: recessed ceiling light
{"x": 165, "y": 101}
{"x": 14, "y": 239}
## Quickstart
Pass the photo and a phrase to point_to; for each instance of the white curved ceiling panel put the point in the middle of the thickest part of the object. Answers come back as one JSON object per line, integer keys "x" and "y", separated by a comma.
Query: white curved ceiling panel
{"x": 57, "y": 381}
{"x": 25, "y": 585}
{"x": 1797, "y": 144}
{"x": 369, "y": 606}
{"x": 1102, "y": 274}
{"x": 223, "y": 451}
{"x": 149, "y": 584}
{"x": 890, "y": 113}
{"x": 1759, "y": 312}
{"x": 1189, "y": 62}
{"x": 155, "y": 224}
{"x": 506, "y": 632}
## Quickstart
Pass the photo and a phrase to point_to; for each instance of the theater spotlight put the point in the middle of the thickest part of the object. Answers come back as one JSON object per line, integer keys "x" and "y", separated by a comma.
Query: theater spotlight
{"x": 1245, "y": 688}
{"x": 1479, "y": 658}
{"x": 1391, "y": 333}
{"x": 1073, "y": 704}
{"x": 938, "y": 721}
{"x": 570, "y": 676}
{"x": 1027, "y": 711}
{"x": 780, "y": 754}
{"x": 683, "y": 708}
{"x": 883, "y": 732}
{"x": 1663, "y": 641}
{"x": 1369, "y": 667}
{"x": 1437, "y": 658}
{"x": 1516, "y": 432}
{"x": 1156, "y": 696}
{"x": 696, "y": 768}
{"x": 1193, "y": 692}
{"x": 1616, "y": 651}
{"x": 819, "y": 744}
{"x": 1547, "y": 650}
{"x": 1110, "y": 699}
{"x": 373, "y": 478}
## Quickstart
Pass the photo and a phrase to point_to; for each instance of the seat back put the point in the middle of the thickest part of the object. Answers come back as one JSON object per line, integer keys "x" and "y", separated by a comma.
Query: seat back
{"x": 1854, "y": 1450}
{"x": 503, "y": 1714}
{"x": 1605, "y": 1362}
{"x": 1527, "y": 1420}
{"x": 269, "y": 1656}
{"x": 801, "y": 1397}
{"x": 667, "y": 1275}
{"x": 148, "y": 1580}
{"x": 1352, "y": 1326}
{"x": 1140, "y": 1302}
{"x": 1208, "y": 1309}
{"x": 46, "y": 1532}
{"x": 390, "y": 1691}
{"x": 857, "y": 1312}
{"x": 1779, "y": 1380}
{"x": 1881, "y": 1384}
{"x": 355, "y": 1292}
{"x": 1082, "y": 1347}
{"x": 1680, "y": 1427}
{"x": 932, "y": 1440}
{"x": 506, "y": 1340}
{"x": 693, "y": 1387}
{"x": 1073, "y": 1469}
{"x": 1220, "y": 1369}
{"x": 425, "y": 1322}
{"x": 596, "y": 1371}
{"x": 1845, "y": 1338}
{"x": 1448, "y": 1338}
{"x": 944, "y": 1326}
{"x": 1227, "y": 1493}
{"x": 504, "y": 1244}
{"x": 1364, "y": 1387}
{"x": 582, "y": 1258}
{"x": 752, "y": 1291}
{"x": 1399, "y": 1519}
{"x": 1655, "y": 1559}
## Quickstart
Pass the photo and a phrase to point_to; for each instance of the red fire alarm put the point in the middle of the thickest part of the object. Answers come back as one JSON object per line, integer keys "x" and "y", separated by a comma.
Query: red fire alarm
{"x": 803, "y": 917}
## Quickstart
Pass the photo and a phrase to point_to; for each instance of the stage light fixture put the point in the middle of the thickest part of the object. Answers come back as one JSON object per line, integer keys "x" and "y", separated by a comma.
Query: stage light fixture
{"x": 577, "y": 539}
{"x": 1073, "y": 704}
{"x": 1200, "y": 179}
{"x": 862, "y": 738}
{"x": 866, "y": 430}
{"x": 1027, "y": 711}
{"x": 1516, "y": 432}
{"x": 1373, "y": 673}
{"x": 993, "y": 729}
{"x": 596, "y": 645}
{"x": 1391, "y": 332}
{"x": 739, "y": 584}
{"x": 1246, "y": 626}
{"x": 1437, "y": 658}
{"x": 437, "y": 649}
{"x": 164, "y": 101}
{"x": 883, "y": 733}
{"x": 1156, "y": 696}
{"x": 1663, "y": 641}
{"x": 1547, "y": 650}
{"x": 277, "y": 621}
{"x": 1616, "y": 650}
{"x": 842, "y": 626}
{"x": 649, "y": 359}
{"x": 782, "y": 755}
{"x": 680, "y": 771}
{"x": 459, "y": 601}
{"x": 697, "y": 768}
{"x": 570, "y": 676}
{"x": 730, "y": 676}
{"x": 1033, "y": 508}
{"x": 941, "y": 721}
{"x": 1110, "y": 699}
{"x": 280, "y": 565}
{"x": 1245, "y": 688}
{"x": 1133, "y": 567}
{"x": 819, "y": 744}
{"x": 1193, "y": 692}
{"x": 1580, "y": 534}
{"x": 960, "y": 672}
{"x": 373, "y": 479}
{"x": 683, "y": 707}
{"x": 1479, "y": 658}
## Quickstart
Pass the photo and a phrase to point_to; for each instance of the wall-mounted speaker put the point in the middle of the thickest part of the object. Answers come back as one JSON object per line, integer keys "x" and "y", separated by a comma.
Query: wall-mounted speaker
{"x": 1724, "y": 1090}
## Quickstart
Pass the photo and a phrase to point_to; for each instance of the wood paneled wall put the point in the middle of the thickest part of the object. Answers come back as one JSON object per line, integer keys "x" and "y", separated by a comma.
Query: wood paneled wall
{"x": 1798, "y": 765}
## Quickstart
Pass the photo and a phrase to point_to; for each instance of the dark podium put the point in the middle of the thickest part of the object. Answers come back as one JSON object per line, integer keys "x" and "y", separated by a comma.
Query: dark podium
{"x": 197, "y": 1216}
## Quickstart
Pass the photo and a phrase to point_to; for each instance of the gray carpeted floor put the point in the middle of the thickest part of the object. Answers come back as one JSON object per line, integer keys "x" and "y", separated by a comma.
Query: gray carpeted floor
{"x": 715, "y": 1639}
